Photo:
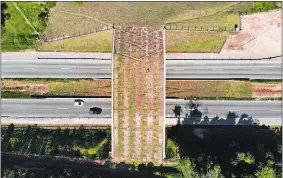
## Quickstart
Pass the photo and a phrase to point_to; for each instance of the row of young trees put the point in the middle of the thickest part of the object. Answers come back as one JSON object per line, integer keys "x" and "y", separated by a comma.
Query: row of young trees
{"x": 56, "y": 142}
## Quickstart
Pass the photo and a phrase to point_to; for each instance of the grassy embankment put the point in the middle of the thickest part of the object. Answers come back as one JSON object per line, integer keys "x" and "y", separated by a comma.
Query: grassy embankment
{"x": 157, "y": 15}
{"x": 22, "y": 24}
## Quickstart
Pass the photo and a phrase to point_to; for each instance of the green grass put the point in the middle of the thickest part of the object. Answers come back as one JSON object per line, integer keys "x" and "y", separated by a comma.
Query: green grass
{"x": 265, "y": 6}
{"x": 5, "y": 94}
{"x": 171, "y": 149}
{"x": 16, "y": 34}
{"x": 238, "y": 89}
{"x": 184, "y": 41}
{"x": 96, "y": 42}
{"x": 78, "y": 3}
{"x": 91, "y": 150}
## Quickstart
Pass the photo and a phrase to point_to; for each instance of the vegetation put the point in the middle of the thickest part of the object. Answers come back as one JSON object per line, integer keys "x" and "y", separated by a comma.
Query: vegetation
{"x": 96, "y": 42}
{"x": 171, "y": 149}
{"x": 201, "y": 89}
{"x": 26, "y": 166}
{"x": 228, "y": 151}
{"x": 78, "y": 3}
{"x": 150, "y": 14}
{"x": 184, "y": 41}
{"x": 21, "y": 88}
{"x": 24, "y": 23}
{"x": 265, "y": 6}
{"x": 5, "y": 94}
{"x": 57, "y": 142}
{"x": 208, "y": 88}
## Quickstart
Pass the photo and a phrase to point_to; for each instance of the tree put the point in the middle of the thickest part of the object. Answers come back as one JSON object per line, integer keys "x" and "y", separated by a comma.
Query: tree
{"x": 187, "y": 167}
{"x": 177, "y": 111}
{"x": 266, "y": 172}
{"x": 214, "y": 173}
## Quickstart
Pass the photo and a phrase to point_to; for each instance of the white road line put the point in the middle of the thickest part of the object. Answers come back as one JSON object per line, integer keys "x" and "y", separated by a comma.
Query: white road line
{"x": 28, "y": 68}
{"x": 276, "y": 110}
{"x": 179, "y": 69}
{"x": 105, "y": 69}
{"x": 66, "y": 68}
{"x": 62, "y": 108}
{"x": 217, "y": 69}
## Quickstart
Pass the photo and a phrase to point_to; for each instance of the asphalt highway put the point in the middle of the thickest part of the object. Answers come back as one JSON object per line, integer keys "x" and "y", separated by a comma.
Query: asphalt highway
{"x": 98, "y": 66}
{"x": 56, "y": 68}
{"x": 267, "y": 112}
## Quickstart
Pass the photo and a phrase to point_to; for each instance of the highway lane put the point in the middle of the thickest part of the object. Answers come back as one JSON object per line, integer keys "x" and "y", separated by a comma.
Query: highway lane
{"x": 267, "y": 112}
{"x": 212, "y": 108}
{"x": 218, "y": 69}
{"x": 54, "y": 107}
{"x": 56, "y": 68}
{"x": 97, "y": 65}
{"x": 175, "y": 69}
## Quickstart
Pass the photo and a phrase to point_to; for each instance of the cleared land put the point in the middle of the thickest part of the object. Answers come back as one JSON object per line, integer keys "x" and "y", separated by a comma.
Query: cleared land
{"x": 138, "y": 95}
{"x": 174, "y": 88}
{"x": 260, "y": 34}
{"x": 151, "y": 14}
{"x": 19, "y": 32}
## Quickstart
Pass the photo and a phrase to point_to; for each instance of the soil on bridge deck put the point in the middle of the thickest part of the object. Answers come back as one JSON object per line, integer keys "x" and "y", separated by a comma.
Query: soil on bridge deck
{"x": 138, "y": 95}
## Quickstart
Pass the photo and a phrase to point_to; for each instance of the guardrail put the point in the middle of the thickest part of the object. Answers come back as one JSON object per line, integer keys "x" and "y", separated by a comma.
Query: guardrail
{"x": 91, "y": 58}
{"x": 263, "y": 58}
{"x": 197, "y": 28}
{"x": 65, "y": 58}
{"x": 77, "y": 34}
{"x": 71, "y": 117}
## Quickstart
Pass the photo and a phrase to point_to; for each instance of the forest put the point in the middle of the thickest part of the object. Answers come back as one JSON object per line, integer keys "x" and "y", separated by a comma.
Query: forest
{"x": 196, "y": 151}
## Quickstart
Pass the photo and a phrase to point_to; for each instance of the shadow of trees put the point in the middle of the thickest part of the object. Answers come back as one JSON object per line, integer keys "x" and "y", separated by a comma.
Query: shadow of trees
{"x": 196, "y": 117}
{"x": 240, "y": 151}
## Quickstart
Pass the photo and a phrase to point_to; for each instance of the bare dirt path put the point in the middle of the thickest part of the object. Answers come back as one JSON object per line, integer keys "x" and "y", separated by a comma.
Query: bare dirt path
{"x": 149, "y": 97}
{"x": 126, "y": 95}
{"x": 115, "y": 94}
{"x": 138, "y": 94}
{"x": 161, "y": 97}
{"x": 266, "y": 90}
{"x": 82, "y": 15}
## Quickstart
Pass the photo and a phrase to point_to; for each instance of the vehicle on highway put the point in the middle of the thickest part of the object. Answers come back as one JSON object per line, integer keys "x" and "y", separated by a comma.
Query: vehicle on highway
{"x": 79, "y": 102}
{"x": 95, "y": 110}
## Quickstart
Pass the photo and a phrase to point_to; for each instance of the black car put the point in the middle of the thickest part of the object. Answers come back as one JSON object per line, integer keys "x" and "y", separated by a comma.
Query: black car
{"x": 95, "y": 110}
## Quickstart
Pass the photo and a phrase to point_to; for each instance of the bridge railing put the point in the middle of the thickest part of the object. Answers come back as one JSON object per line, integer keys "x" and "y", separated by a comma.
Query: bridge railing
{"x": 71, "y": 117}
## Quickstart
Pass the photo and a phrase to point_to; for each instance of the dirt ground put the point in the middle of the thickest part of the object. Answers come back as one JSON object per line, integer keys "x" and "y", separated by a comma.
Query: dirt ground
{"x": 260, "y": 34}
{"x": 263, "y": 90}
{"x": 21, "y": 86}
